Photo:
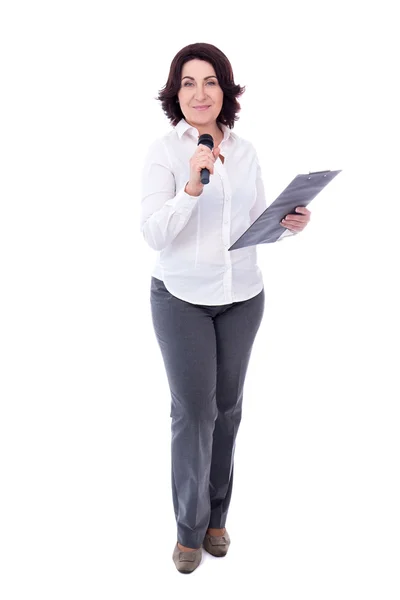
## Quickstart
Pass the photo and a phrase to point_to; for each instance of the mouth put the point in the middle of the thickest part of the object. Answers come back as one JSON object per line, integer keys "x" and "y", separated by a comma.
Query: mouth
{"x": 201, "y": 107}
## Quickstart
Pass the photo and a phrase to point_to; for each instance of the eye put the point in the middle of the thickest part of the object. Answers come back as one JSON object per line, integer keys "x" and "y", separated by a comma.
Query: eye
{"x": 187, "y": 83}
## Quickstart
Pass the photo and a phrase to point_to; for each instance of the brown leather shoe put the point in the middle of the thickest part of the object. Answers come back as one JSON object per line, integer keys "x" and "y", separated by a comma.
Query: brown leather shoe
{"x": 217, "y": 545}
{"x": 187, "y": 562}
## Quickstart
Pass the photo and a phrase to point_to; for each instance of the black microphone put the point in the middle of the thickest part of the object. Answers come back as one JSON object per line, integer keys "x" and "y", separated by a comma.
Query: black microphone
{"x": 207, "y": 140}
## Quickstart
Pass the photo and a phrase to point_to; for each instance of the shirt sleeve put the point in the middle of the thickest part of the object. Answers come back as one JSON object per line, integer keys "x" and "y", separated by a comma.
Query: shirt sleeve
{"x": 260, "y": 204}
{"x": 164, "y": 211}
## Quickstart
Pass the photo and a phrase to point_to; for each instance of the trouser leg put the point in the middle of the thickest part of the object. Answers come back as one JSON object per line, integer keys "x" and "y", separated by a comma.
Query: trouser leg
{"x": 186, "y": 336}
{"x": 236, "y": 329}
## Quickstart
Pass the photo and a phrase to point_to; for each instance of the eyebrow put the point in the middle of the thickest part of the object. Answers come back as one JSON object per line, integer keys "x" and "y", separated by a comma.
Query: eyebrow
{"x": 208, "y": 77}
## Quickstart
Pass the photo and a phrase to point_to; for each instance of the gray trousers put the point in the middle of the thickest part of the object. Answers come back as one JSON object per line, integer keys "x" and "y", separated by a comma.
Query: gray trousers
{"x": 206, "y": 352}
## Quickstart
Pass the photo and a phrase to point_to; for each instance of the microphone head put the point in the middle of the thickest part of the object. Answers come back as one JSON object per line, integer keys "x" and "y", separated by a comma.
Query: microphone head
{"x": 207, "y": 140}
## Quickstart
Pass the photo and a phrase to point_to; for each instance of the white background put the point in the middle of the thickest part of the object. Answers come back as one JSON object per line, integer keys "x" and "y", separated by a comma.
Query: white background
{"x": 86, "y": 507}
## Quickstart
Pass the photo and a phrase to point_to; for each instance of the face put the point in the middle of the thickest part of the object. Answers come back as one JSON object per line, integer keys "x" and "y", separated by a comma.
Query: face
{"x": 199, "y": 89}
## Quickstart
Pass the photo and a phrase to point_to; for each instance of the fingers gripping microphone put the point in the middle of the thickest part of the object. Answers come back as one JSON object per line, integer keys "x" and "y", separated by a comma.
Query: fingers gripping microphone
{"x": 207, "y": 140}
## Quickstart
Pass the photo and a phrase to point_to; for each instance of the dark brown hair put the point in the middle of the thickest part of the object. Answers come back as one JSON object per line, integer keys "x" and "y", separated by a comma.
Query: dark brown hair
{"x": 223, "y": 69}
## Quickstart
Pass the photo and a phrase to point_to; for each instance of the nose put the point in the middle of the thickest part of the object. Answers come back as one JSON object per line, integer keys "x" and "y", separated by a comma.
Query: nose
{"x": 200, "y": 93}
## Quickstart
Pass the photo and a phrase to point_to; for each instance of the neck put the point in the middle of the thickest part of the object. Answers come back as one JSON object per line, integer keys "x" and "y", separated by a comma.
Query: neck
{"x": 212, "y": 129}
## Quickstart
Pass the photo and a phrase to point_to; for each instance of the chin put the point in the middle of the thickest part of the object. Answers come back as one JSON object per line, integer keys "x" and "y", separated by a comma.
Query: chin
{"x": 203, "y": 117}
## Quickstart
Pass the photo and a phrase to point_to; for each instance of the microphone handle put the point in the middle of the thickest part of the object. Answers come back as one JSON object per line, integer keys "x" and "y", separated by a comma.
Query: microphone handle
{"x": 205, "y": 176}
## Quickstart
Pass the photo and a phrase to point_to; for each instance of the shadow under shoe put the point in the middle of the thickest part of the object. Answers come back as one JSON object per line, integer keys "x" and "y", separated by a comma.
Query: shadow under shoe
{"x": 187, "y": 562}
{"x": 217, "y": 545}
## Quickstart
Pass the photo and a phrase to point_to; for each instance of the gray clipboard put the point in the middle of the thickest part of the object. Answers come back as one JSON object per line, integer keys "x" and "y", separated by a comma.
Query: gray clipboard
{"x": 267, "y": 228}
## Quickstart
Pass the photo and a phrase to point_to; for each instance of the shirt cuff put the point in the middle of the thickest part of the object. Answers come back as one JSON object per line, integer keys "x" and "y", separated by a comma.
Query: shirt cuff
{"x": 286, "y": 233}
{"x": 182, "y": 201}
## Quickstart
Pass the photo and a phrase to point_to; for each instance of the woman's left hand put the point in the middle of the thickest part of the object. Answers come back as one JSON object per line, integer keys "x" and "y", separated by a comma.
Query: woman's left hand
{"x": 299, "y": 221}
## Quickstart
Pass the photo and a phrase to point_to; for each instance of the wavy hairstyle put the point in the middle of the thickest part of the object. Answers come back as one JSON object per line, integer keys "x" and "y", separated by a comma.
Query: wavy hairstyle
{"x": 168, "y": 95}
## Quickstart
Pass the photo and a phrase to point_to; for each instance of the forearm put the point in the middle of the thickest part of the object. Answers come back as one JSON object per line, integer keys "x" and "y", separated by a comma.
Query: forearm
{"x": 162, "y": 226}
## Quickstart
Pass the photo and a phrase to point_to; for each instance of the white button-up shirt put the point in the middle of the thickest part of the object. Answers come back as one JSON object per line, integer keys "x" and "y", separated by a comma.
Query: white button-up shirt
{"x": 192, "y": 234}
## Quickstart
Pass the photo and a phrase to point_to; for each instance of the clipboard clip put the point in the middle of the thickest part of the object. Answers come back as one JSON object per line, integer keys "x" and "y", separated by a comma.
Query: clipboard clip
{"x": 317, "y": 172}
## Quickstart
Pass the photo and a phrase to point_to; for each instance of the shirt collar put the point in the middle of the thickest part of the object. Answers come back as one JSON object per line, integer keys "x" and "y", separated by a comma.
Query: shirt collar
{"x": 183, "y": 127}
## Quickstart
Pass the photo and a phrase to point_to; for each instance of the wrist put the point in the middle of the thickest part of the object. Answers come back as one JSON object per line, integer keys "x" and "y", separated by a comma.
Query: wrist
{"x": 193, "y": 190}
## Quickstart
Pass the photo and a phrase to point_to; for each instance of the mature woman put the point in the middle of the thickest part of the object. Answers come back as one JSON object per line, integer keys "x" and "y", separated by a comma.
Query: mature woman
{"x": 207, "y": 302}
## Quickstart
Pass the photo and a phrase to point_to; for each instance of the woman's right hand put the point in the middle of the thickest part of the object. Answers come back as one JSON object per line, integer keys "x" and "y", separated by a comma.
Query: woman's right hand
{"x": 203, "y": 158}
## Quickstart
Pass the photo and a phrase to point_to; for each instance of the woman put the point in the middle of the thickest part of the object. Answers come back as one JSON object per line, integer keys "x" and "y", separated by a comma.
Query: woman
{"x": 207, "y": 303}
